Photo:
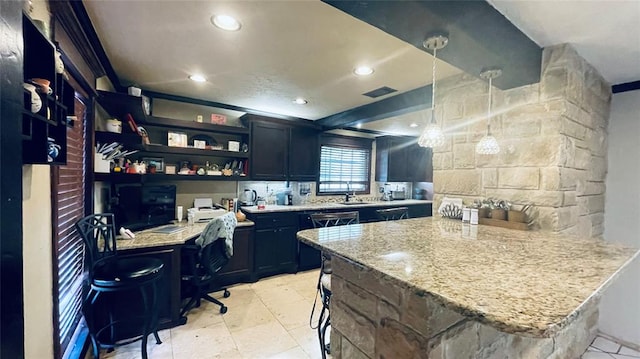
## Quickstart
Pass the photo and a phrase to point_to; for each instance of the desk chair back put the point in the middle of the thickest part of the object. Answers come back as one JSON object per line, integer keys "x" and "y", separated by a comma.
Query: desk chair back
{"x": 392, "y": 214}
{"x": 334, "y": 219}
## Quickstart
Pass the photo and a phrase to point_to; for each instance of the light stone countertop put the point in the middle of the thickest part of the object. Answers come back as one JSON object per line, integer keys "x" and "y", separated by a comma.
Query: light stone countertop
{"x": 147, "y": 238}
{"x": 332, "y": 205}
{"x": 529, "y": 283}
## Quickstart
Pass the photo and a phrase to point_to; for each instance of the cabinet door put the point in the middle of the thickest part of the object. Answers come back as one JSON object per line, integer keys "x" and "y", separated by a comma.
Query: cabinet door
{"x": 303, "y": 154}
{"x": 287, "y": 249}
{"x": 269, "y": 146}
{"x": 240, "y": 266}
{"x": 397, "y": 161}
{"x": 265, "y": 257}
{"x": 419, "y": 165}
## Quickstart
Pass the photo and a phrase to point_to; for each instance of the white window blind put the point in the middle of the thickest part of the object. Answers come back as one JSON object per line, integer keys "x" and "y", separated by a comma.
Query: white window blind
{"x": 68, "y": 184}
{"x": 344, "y": 169}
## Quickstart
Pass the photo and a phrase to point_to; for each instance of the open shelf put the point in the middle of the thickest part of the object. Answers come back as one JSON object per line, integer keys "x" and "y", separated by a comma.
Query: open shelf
{"x": 153, "y": 148}
{"x": 160, "y": 177}
{"x": 192, "y": 125}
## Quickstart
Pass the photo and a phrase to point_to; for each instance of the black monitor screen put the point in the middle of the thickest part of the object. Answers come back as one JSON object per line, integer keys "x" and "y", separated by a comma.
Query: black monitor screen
{"x": 137, "y": 207}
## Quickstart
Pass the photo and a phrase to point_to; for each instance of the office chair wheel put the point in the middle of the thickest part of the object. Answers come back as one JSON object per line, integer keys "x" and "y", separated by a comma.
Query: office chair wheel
{"x": 223, "y": 309}
{"x": 226, "y": 294}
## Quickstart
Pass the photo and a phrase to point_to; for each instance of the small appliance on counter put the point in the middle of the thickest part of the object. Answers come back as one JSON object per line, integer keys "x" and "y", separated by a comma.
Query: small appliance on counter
{"x": 248, "y": 197}
{"x": 203, "y": 210}
{"x": 398, "y": 195}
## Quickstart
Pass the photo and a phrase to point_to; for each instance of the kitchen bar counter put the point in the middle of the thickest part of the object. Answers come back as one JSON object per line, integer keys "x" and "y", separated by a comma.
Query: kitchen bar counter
{"x": 333, "y": 205}
{"x": 148, "y": 238}
{"x": 528, "y": 283}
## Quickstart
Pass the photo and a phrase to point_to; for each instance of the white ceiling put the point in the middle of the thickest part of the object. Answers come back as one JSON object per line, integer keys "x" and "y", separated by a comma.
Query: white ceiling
{"x": 606, "y": 33}
{"x": 285, "y": 49}
{"x": 307, "y": 48}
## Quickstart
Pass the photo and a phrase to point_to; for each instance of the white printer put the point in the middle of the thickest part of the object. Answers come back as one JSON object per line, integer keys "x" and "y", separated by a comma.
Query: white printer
{"x": 203, "y": 210}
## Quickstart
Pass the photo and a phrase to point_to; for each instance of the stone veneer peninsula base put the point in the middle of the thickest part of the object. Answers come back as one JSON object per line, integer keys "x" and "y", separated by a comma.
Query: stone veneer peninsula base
{"x": 437, "y": 288}
{"x": 374, "y": 318}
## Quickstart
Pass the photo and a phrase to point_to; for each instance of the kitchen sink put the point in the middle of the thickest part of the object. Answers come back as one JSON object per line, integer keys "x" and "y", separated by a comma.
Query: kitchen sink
{"x": 355, "y": 202}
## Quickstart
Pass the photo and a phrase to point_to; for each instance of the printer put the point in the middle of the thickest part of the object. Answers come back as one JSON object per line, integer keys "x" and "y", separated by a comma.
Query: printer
{"x": 205, "y": 210}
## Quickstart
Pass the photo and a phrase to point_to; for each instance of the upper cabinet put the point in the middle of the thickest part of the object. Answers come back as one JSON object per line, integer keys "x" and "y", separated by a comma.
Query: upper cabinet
{"x": 48, "y": 100}
{"x": 282, "y": 151}
{"x": 400, "y": 159}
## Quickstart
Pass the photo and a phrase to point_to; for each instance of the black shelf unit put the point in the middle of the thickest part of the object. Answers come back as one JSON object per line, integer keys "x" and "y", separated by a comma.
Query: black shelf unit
{"x": 51, "y": 120}
{"x": 120, "y": 105}
{"x": 162, "y": 149}
{"x": 160, "y": 177}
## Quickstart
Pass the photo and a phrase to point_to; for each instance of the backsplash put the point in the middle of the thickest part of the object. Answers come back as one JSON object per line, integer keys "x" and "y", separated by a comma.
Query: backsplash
{"x": 264, "y": 188}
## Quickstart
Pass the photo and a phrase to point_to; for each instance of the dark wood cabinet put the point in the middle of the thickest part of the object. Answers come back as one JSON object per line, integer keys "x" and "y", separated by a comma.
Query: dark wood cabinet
{"x": 400, "y": 159}
{"x": 127, "y": 304}
{"x": 240, "y": 266}
{"x": 276, "y": 246}
{"x": 303, "y": 154}
{"x": 269, "y": 144}
{"x": 282, "y": 151}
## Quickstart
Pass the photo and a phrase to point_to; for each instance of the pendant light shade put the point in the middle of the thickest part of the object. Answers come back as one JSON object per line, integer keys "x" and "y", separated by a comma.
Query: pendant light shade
{"x": 432, "y": 135}
{"x": 488, "y": 144}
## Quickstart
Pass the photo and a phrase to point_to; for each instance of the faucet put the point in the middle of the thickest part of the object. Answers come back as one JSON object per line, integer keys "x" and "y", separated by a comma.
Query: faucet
{"x": 348, "y": 196}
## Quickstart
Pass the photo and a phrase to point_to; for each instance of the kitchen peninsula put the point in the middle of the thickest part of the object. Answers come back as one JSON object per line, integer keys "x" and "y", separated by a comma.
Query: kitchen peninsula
{"x": 435, "y": 288}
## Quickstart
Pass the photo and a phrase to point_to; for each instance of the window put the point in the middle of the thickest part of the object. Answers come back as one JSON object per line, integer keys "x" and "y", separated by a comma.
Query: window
{"x": 344, "y": 166}
{"x": 68, "y": 197}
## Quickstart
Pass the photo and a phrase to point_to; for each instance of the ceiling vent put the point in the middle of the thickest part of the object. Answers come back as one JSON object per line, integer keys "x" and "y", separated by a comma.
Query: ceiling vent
{"x": 380, "y": 92}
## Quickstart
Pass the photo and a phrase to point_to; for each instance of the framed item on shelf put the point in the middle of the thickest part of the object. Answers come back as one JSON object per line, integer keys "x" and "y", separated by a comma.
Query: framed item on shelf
{"x": 177, "y": 139}
{"x": 170, "y": 169}
{"x": 154, "y": 161}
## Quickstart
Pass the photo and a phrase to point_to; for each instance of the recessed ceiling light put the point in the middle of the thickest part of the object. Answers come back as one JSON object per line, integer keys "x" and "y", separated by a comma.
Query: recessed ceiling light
{"x": 363, "y": 70}
{"x": 226, "y": 22}
{"x": 358, "y": 125}
{"x": 300, "y": 101}
{"x": 413, "y": 125}
{"x": 197, "y": 78}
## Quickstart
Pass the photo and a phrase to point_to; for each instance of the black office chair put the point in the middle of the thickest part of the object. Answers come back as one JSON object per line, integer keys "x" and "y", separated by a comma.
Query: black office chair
{"x": 199, "y": 273}
{"x": 324, "y": 281}
{"x": 109, "y": 273}
{"x": 392, "y": 214}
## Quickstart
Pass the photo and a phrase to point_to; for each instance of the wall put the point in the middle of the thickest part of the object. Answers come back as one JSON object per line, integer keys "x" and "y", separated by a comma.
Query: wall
{"x": 619, "y": 310}
{"x": 38, "y": 266}
{"x": 553, "y": 143}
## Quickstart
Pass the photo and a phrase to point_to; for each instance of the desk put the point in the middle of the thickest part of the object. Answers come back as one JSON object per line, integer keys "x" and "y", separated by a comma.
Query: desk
{"x": 166, "y": 247}
{"x": 439, "y": 285}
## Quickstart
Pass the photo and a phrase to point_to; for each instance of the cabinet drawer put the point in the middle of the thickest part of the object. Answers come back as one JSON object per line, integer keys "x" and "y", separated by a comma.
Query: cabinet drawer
{"x": 275, "y": 221}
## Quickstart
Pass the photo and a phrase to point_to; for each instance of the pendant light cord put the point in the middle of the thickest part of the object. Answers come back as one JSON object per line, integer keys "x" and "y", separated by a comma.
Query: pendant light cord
{"x": 489, "y": 109}
{"x": 433, "y": 86}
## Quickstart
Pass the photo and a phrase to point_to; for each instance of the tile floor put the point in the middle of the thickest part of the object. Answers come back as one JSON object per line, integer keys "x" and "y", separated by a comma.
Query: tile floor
{"x": 266, "y": 319}
{"x": 270, "y": 319}
{"x": 603, "y": 348}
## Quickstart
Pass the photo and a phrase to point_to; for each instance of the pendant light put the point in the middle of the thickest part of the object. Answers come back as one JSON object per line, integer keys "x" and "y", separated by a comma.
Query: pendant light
{"x": 488, "y": 144}
{"x": 432, "y": 135}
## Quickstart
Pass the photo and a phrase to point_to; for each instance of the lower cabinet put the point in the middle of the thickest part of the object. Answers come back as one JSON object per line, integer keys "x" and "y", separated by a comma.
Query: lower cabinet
{"x": 127, "y": 306}
{"x": 240, "y": 266}
{"x": 276, "y": 245}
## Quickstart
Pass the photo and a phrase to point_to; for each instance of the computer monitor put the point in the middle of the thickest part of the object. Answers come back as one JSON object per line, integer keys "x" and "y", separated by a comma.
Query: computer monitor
{"x": 138, "y": 207}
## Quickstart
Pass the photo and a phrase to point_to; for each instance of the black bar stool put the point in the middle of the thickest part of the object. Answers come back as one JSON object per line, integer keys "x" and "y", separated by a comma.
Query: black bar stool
{"x": 393, "y": 214}
{"x": 110, "y": 274}
{"x": 324, "y": 282}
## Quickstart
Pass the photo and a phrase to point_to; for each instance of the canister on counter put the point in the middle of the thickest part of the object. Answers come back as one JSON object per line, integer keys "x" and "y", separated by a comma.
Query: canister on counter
{"x": 466, "y": 214}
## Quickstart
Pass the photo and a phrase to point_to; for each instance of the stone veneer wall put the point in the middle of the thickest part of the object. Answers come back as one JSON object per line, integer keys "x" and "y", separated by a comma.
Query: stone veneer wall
{"x": 372, "y": 317}
{"x": 553, "y": 143}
